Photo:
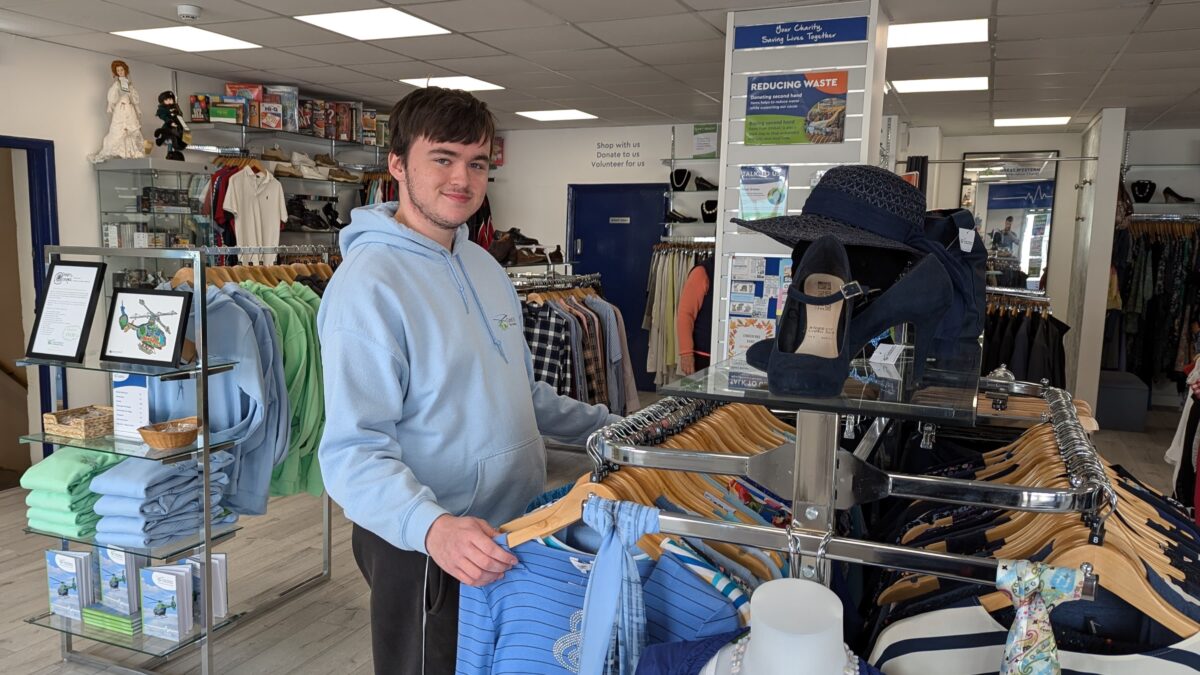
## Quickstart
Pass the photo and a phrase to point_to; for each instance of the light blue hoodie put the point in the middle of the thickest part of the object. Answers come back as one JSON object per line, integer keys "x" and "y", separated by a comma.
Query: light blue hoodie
{"x": 431, "y": 406}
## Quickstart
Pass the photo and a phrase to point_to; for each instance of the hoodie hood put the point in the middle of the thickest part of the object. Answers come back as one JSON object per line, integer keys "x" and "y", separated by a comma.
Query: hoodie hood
{"x": 377, "y": 224}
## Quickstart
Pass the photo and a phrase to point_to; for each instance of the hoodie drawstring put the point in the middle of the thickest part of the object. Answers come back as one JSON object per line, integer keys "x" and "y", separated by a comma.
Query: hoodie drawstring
{"x": 479, "y": 304}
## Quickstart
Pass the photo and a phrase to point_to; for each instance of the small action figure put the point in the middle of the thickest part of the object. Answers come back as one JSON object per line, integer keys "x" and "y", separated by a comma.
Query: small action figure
{"x": 173, "y": 127}
{"x": 124, "y": 138}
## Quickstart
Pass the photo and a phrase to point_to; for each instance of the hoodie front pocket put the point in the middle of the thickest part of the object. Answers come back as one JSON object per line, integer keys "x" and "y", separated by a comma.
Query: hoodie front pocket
{"x": 507, "y": 481}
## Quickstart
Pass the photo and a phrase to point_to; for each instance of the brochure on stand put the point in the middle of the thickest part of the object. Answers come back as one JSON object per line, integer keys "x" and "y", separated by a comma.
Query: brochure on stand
{"x": 220, "y": 582}
{"x": 118, "y": 579}
{"x": 167, "y": 601}
{"x": 71, "y": 576}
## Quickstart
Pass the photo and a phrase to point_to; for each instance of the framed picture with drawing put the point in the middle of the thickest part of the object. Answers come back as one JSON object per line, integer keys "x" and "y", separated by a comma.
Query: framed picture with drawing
{"x": 146, "y": 327}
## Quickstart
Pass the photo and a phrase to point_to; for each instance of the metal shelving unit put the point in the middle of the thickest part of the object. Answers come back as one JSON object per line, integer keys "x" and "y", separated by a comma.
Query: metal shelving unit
{"x": 204, "y": 539}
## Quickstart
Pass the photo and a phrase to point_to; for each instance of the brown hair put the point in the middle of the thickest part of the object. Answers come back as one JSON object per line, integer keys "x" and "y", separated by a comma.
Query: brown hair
{"x": 441, "y": 116}
{"x": 120, "y": 63}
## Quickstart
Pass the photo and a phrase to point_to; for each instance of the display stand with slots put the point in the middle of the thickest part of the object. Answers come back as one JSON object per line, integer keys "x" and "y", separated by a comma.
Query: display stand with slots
{"x": 201, "y": 370}
{"x": 822, "y": 479}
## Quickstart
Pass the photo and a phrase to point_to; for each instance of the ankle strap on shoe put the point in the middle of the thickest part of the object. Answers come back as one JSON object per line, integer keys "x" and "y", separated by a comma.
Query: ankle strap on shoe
{"x": 851, "y": 289}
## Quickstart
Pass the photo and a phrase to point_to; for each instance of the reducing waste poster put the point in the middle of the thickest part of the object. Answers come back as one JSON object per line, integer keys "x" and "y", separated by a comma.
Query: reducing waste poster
{"x": 762, "y": 192}
{"x": 797, "y": 108}
{"x": 757, "y": 288}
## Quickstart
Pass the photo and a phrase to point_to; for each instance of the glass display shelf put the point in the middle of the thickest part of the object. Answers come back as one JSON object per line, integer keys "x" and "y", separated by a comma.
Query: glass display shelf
{"x": 176, "y": 548}
{"x": 292, "y": 136}
{"x": 539, "y": 264}
{"x": 151, "y": 165}
{"x": 165, "y": 373}
{"x": 947, "y": 394}
{"x": 125, "y": 447}
{"x": 137, "y": 642}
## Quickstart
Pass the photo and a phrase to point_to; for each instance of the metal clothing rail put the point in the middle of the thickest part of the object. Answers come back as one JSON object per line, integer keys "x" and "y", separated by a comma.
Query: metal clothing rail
{"x": 1014, "y": 160}
{"x": 551, "y": 282}
{"x": 853, "y": 481}
{"x": 1025, "y": 293}
{"x": 286, "y": 249}
{"x": 680, "y": 239}
{"x": 1084, "y": 468}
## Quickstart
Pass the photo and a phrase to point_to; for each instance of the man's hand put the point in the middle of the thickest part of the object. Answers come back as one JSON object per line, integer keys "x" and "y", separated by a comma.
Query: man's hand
{"x": 464, "y": 549}
{"x": 687, "y": 363}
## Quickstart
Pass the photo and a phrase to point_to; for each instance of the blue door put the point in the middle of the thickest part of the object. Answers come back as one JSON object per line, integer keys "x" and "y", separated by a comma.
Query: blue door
{"x": 615, "y": 228}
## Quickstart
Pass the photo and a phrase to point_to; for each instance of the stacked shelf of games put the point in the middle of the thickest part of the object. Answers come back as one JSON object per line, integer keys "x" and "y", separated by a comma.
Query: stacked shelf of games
{"x": 155, "y": 600}
{"x": 693, "y": 181}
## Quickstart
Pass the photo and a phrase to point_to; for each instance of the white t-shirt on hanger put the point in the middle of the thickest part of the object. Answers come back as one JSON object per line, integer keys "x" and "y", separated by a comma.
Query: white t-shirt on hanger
{"x": 257, "y": 200}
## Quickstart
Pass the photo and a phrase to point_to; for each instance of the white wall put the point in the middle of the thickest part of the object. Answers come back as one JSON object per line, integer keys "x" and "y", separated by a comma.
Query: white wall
{"x": 58, "y": 93}
{"x": 1062, "y": 229}
{"x": 530, "y": 192}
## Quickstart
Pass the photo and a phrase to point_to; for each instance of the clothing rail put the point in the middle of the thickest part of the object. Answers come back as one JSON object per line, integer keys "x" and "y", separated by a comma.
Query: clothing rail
{"x": 612, "y": 446}
{"x": 1084, "y": 467}
{"x": 288, "y": 249}
{"x": 1025, "y": 293}
{"x": 680, "y": 239}
{"x": 1165, "y": 218}
{"x": 550, "y": 282}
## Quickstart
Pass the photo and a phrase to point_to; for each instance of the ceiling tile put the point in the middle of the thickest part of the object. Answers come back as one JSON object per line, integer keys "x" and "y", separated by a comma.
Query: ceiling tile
{"x": 112, "y": 44}
{"x": 1123, "y": 100}
{"x": 620, "y": 75}
{"x": 659, "y": 101}
{"x": 489, "y": 65}
{"x": 1031, "y": 109}
{"x": 436, "y": 47}
{"x": 543, "y": 78}
{"x": 33, "y": 26}
{"x": 951, "y": 68}
{"x": 529, "y": 40}
{"x": 346, "y": 53}
{"x": 733, "y": 5}
{"x": 192, "y": 63}
{"x": 466, "y": 16}
{"x": 679, "y": 52}
{"x": 277, "y": 32}
{"x": 1100, "y": 46}
{"x": 1091, "y": 22}
{"x": 1175, "y": 76}
{"x": 1165, "y": 41}
{"x": 97, "y": 16}
{"x": 380, "y": 88}
{"x": 582, "y": 102}
{"x": 576, "y": 90}
{"x": 302, "y": 7}
{"x": 911, "y": 57}
{"x": 651, "y": 30}
{"x": 687, "y": 70}
{"x": 633, "y": 89}
{"x": 576, "y": 11}
{"x": 945, "y": 98}
{"x": 1174, "y": 17}
{"x": 1139, "y": 89}
{"x": 404, "y": 70}
{"x": 262, "y": 59}
{"x": 1077, "y": 64}
{"x": 332, "y": 75}
{"x": 583, "y": 59}
{"x": 1076, "y": 94}
{"x": 250, "y": 76}
{"x": 1151, "y": 60}
{"x": 518, "y": 104}
{"x": 716, "y": 17}
{"x": 907, "y": 11}
{"x": 934, "y": 108}
{"x": 213, "y": 11}
{"x": 1013, "y": 7}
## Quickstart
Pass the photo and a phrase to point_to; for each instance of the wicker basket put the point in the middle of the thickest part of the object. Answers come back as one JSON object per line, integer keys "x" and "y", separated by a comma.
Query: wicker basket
{"x": 159, "y": 439}
{"x": 60, "y": 423}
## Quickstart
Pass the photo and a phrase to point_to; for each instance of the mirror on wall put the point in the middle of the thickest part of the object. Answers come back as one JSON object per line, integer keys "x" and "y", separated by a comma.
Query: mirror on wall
{"x": 1011, "y": 195}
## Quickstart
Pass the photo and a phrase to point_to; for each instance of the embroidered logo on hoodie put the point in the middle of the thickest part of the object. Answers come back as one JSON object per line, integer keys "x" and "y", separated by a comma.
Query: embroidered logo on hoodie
{"x": 504, "y": 321}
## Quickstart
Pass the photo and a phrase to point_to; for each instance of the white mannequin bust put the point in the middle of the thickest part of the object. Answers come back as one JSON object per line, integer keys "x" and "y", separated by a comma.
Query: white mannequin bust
{"x": 797, "y": 628}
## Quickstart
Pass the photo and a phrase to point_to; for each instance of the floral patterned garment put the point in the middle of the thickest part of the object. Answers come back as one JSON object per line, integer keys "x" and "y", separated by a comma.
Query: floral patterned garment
{"x": 1035, "y": 588}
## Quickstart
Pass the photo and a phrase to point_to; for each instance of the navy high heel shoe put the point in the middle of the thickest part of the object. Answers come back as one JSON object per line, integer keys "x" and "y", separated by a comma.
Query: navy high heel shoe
{"x": 810, "y": 354}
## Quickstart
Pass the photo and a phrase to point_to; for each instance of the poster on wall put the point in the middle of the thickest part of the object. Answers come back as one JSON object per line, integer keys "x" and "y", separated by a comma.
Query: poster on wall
{"x": 796, "y": 108}
{"x": 762, "y": 192}
{"x": 705, "y": 140}
{"x": 757, "y": 287}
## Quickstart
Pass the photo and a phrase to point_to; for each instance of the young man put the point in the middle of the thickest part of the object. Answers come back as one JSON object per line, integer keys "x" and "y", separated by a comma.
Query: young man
{"x": 434, "y": 425}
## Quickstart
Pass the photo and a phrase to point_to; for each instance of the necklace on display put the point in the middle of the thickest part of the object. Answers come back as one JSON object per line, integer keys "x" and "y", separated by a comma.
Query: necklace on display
{"x": 739, "y": 653}
{"x": 705, "y": 210}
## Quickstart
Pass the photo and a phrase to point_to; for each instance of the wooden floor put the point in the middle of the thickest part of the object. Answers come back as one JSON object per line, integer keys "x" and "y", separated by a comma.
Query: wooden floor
{"x": 326, "y": 630}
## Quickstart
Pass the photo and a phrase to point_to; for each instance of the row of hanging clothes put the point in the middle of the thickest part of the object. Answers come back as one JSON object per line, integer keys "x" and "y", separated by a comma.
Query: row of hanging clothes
{"x": 1144, "y": 618}
{"x": 263, "y": 318}
{"x": 1021, "y": 334}
{"x": 1184, "y": 450}
{"x": 1005, "y": 270}
{"x": 670, "y": 264}
{"x": 577, "y": 339}
{"x": 378, "y": 187}
{"x": 1152, "y": 326}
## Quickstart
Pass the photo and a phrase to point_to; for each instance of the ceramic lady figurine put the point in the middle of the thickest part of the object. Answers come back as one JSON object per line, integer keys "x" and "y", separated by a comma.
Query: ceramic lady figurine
{"x": 124, "y": 138}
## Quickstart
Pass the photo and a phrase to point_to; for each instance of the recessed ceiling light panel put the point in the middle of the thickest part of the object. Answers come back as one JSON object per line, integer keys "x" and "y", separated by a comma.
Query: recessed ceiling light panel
{"x": 374, "y": 24}
{"x": 940, "y": 84}
{"x": 556, "y": 115}
{"x": 186, "y": 39}
{"x": 454, "y": 82}
{"x": 1030, "y": 121}
{"x": 937, "y": 33}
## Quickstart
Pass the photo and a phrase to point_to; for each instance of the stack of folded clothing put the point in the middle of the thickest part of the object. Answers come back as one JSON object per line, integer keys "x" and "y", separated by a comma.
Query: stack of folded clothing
{"x": 60, "y": 501}
{"x": 146, "y": 504}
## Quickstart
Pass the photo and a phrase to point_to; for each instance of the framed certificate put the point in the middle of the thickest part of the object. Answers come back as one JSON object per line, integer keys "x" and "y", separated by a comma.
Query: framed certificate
{"x": 64, "y": 315}
{"x": 146, "y": 326}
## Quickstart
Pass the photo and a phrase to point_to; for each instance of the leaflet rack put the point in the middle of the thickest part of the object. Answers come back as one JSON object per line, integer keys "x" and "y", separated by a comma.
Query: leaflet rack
{"x": 204, "y": 367}
{"x": 822, "y": 478}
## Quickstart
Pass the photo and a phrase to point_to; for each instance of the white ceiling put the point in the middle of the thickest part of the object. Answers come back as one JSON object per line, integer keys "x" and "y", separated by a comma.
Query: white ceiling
{"x": 661, "y": 61}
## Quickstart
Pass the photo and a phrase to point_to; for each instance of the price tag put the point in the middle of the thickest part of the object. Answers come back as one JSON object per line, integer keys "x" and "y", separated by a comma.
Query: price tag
{"x": 966, "y": 239}
{"x": 888, "y": 355}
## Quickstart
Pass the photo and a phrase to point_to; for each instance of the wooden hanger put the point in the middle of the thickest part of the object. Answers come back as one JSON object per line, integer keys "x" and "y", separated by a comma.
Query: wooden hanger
{"x": 566, "y": 511}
